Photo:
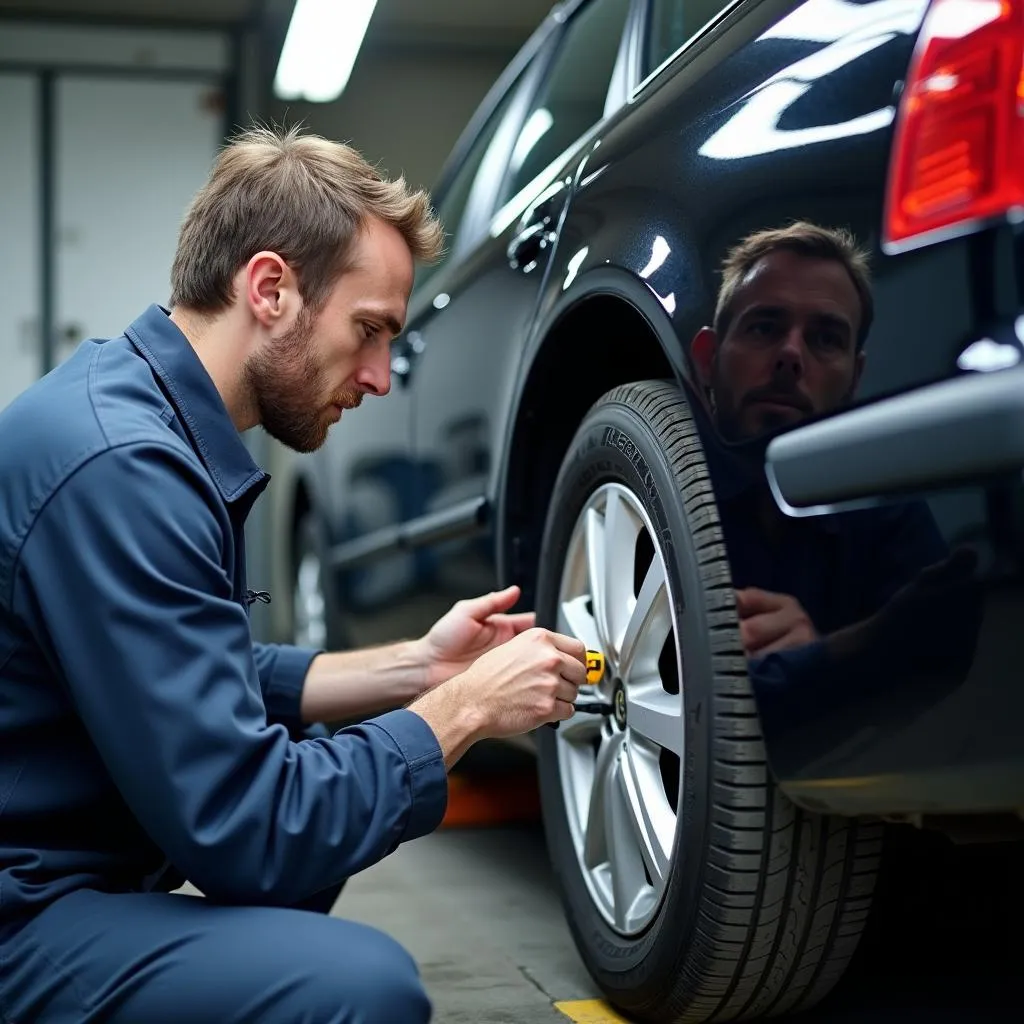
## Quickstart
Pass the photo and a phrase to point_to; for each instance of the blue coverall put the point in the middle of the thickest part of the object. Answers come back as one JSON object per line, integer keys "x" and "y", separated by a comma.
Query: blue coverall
{"x": 144, "y": 737}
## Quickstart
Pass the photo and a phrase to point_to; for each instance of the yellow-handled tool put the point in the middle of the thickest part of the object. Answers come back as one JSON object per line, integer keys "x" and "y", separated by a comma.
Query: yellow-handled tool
{"x": 595, "y": 673}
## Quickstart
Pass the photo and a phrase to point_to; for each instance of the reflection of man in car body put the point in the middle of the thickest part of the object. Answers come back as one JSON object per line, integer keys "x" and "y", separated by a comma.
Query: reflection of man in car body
{"x": 792, "y": 315}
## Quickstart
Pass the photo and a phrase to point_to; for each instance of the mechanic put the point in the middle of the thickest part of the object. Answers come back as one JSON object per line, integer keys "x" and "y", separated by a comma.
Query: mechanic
{"x": 792, "y": 315}
{"x": 144, "y": 736}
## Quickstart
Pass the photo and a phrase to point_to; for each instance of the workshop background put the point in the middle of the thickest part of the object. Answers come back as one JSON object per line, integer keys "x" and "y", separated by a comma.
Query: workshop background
{"x": 111, "y": 111}
{"x": 110, "y": 114}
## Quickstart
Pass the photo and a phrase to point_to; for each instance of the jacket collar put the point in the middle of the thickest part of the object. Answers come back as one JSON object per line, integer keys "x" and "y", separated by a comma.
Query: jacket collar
{"x": 198, "y": 403}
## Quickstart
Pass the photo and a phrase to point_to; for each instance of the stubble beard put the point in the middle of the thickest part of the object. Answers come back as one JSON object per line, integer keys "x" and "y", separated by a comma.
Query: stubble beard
{"x": 288, "y": 387}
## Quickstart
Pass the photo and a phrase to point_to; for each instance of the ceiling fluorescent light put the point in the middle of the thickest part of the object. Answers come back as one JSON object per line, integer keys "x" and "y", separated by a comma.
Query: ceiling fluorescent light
{"x": 320, "y": 48}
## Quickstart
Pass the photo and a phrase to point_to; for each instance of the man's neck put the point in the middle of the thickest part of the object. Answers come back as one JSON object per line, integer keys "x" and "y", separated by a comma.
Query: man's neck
{"x": 215, "y": 340}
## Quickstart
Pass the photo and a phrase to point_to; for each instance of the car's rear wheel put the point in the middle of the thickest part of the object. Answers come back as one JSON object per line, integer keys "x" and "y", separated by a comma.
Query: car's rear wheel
{"x": 309, "y": 599}
{"x": 694, "y": 890}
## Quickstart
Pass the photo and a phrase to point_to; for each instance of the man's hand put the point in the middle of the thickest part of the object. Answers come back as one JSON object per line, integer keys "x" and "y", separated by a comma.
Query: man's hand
{"x": 528, "y": 681}
{"x": 772, "y": 622}
{"x": 471, "y": 628}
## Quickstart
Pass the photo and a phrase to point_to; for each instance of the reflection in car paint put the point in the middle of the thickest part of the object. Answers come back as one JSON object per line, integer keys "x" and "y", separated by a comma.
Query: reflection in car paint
{"x": 754, "y": 128}
{"x": 573, "y": 266}
{"x": 987, "y": 355}
{"x": 537, "y": 126}
{"x": 825, "y": 21}
{"x": 660, "y": 251}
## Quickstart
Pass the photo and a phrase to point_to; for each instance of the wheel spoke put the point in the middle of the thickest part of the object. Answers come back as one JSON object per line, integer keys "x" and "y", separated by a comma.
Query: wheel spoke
{"x": 575, "y": 619}
{"x": 595, "y": 847}
{"x": 651, "y": 821}
{"x": 655, "y": 715}
{"x": 581, "y": 728}
{"x": 648, "y": 627}
{"x": 621, "y": 527}
{"x": 595, "y": 571}
{"x": 627, "y": 869}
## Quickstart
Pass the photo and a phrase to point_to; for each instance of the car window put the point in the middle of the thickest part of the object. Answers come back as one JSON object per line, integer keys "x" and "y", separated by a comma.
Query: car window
{"x": 572, "y": 97}
{"x": 671, "y": 23}
{"x": 452, "y": 205}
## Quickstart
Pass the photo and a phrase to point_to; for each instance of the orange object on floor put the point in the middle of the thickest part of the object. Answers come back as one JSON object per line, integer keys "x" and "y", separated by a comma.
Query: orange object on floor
{"x": 491, "y": 800}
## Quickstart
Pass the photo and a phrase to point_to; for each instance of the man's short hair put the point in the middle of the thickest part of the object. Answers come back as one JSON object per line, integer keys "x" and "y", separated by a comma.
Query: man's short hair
{"x": 298, "y": 195}
{"x": 805, "y": 239}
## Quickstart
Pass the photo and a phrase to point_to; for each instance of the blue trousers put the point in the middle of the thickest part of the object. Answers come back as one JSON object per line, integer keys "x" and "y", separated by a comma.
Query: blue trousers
{"x": 162, "y": 958}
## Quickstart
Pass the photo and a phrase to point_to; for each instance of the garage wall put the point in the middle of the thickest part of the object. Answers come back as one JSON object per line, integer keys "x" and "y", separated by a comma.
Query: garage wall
{"x": 110, "y": 131}
{"x": 404, "y": 112}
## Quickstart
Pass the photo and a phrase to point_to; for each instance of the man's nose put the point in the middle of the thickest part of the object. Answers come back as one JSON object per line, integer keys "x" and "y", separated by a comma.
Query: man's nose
{"x": 375, "y": 375}
{"x": 791, "y": 354}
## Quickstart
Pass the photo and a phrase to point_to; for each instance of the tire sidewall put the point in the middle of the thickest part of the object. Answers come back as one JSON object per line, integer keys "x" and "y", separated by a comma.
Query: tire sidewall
{"x": 616, "y": 445}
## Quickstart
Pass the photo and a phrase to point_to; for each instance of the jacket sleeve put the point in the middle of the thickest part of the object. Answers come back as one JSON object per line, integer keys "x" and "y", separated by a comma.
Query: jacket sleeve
{"x": 140, "y": 624}
{"x": 282, "y": 673}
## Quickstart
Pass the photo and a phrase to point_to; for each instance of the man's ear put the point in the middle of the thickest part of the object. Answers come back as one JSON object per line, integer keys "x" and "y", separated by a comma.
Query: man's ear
{"x": 702, "y": 351}
{"x": 269, "y": 283}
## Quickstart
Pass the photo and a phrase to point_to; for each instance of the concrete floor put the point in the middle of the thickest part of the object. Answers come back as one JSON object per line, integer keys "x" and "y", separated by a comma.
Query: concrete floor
{"x": 479, "y": 911}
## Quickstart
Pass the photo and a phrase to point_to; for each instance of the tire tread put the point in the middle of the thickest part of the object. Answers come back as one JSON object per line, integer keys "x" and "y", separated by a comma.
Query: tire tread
{"x": 783, "y": 904}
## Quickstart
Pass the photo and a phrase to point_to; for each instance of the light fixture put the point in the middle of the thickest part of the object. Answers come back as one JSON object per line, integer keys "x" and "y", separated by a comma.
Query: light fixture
{"x": 320, "y": 48}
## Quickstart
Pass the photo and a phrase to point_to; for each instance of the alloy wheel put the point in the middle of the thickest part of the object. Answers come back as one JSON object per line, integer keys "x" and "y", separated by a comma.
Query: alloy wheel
{"x": 309, "y": 609}
{"x": 620, "y": 772}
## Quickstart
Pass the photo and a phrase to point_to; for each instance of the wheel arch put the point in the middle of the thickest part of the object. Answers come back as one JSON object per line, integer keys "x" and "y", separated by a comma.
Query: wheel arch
{"x": 615, "y": 332}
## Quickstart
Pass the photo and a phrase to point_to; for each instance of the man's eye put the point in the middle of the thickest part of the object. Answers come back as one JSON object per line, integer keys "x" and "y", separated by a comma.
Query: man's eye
{"x": 830, "y": 340}
{"x": 369, "y": 331}
{"x": 762, "y": 328}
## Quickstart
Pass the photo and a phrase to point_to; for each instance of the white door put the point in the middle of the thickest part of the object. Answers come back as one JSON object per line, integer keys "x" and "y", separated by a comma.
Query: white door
{"x": 20, "y": 349}
{"x": 131, "y": 153}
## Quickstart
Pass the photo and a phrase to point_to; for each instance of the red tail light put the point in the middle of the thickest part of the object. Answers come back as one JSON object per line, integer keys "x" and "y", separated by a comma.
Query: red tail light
{"x": 958, "y": 151}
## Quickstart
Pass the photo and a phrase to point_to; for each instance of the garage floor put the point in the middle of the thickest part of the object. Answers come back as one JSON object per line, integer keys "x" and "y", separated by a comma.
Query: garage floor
{"x": 478, "y": 909}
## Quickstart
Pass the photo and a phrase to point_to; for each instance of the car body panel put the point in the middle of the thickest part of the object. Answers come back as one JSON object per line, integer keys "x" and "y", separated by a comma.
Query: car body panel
{"x": 777, "y": 111}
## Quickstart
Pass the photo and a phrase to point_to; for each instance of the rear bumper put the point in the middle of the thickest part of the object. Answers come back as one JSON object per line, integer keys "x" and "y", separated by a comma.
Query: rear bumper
{"x": 897, "y": 742}
{"x": 923, "y": 712}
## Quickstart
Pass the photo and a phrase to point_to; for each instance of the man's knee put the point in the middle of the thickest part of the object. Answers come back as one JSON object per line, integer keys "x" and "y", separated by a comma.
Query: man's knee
{"x": 371, "y": 981}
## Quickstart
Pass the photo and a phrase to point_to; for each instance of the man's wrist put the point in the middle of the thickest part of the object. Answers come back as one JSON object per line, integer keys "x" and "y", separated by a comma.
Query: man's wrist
{"x": 417, "y": 654}
{"x": 456, "y": 723}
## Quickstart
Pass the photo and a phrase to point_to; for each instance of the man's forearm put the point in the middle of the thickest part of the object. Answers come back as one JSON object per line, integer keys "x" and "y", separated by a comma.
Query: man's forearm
{"x": 356, "y": 684}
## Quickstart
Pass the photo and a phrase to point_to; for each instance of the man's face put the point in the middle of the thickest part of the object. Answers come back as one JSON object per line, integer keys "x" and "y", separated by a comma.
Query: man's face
{"x": 325, "y": 363}
{"x": 790, "y": 349}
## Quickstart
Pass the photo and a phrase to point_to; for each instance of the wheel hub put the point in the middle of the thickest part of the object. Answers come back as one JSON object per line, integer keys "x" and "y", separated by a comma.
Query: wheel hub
{"x": 619, "y": 704}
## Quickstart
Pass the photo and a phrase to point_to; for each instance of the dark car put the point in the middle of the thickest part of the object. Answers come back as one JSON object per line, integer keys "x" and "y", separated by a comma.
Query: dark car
{"x": 716, "y": 825}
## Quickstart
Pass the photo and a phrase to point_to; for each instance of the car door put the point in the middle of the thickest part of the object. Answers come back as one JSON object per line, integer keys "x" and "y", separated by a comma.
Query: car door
{"x": 460, "y": 352}
{"x": 372, "y": 480}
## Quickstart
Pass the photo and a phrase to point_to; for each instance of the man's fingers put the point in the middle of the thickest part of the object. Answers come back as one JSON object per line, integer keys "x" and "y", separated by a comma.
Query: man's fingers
{"x": 566, "y": 691}
{"x": 575, "y": 672}
{"x": 493, "y": 604}
{"x": 521, "y": 622}
{"x": 570, "y": 645}
{"x": 798, "y": 637}
{"x": 761, "y": 630}
{"x": 754, "y": 601}
{"x": 564, "y": 710}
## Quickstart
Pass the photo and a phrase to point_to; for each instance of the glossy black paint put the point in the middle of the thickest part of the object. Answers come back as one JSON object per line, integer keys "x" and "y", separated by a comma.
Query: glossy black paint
{"x": 778, "y": 111}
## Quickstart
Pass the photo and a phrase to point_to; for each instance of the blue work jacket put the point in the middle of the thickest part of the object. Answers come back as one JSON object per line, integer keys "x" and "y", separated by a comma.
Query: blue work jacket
{"x": 143, "y": 734}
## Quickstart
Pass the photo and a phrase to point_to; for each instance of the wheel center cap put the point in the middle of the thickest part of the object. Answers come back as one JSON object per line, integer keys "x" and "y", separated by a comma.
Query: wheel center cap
{"x": 619, "y": 704}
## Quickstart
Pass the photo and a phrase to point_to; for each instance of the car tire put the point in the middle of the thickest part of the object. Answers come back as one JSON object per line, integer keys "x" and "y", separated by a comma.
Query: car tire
{"x": 742, "y": 905}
